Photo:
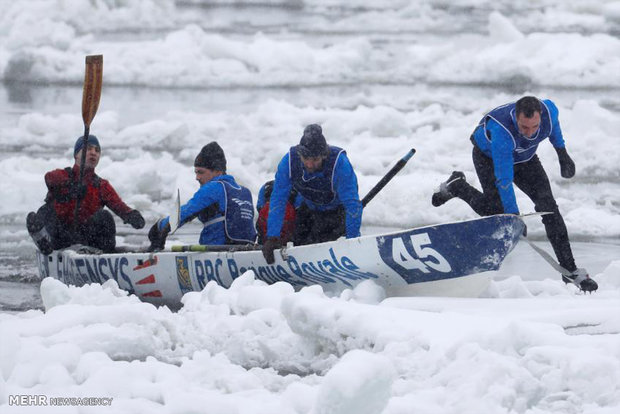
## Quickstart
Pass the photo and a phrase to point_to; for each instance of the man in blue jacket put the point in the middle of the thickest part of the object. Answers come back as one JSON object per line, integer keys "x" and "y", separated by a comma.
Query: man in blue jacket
{"x": 324, "y": 179}
{"x": 505, "y": 143}
{"x": 224, "y": 207}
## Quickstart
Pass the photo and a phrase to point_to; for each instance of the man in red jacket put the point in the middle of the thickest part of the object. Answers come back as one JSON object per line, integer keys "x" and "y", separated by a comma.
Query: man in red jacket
{"x": 262, "y": 206}
{"x": 52, "y": 227}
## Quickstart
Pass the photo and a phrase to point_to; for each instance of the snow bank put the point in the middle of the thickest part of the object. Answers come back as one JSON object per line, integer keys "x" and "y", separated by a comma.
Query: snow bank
{"x": 262, "y": 349}
{"x": 192, "y": 57}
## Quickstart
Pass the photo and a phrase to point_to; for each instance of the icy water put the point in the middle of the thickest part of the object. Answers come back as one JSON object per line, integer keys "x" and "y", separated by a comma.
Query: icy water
{"x": 282, "y": 20}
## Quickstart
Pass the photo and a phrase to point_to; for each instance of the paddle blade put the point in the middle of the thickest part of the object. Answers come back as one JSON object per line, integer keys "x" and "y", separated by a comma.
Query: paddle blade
{"x": 175, "y": 217}
{"x": 93, "y": 80}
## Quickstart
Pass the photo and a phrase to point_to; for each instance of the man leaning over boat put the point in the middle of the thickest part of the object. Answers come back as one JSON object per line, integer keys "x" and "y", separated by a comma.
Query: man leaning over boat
{"x": 224, "y": 207}
{"x": 324, "y": 178}
{"x": 262, "y": 207}
{"x": 53, "y": 226}
{"x": 504, "y": 154}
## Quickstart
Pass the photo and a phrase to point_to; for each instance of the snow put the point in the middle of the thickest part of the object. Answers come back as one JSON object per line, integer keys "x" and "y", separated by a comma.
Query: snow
{"x": 258, "y": 349}
{"x": 529, "y": 344}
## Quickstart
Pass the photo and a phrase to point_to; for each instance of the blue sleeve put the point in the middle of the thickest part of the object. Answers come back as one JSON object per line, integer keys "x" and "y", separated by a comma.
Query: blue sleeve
{"x": 279, "y": 197}
{"x": 345, "y": 185}
{"x": 163, "y": 222}
{"x": 556, "y": 138}
{"x": 211, "y": 192}
{"x": 502, "y": 146}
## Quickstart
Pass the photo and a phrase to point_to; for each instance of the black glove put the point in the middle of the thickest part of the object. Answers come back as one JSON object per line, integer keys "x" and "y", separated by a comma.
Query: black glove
{"x": 135, "y": 219}
{"x": 269, "y": 246}
{"x": 77, "y": 191}
{"x": 567, "y": 165}
{"x": 158, "y": 237}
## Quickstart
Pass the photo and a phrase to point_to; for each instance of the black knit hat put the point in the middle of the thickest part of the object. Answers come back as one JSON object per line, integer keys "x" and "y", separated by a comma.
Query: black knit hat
{"x": 313, "y": 142}
{"x": 212, "y": 157}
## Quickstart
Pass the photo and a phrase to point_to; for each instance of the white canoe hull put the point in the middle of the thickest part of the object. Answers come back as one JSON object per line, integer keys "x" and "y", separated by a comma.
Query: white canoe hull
{"x": 442, "y": 260}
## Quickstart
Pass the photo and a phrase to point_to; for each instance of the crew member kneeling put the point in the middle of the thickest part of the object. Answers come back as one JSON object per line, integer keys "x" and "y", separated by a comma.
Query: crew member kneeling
{"x": 52, "y": 227}
{"x": 324, "y": 178}
{"x": 224, "y": 207}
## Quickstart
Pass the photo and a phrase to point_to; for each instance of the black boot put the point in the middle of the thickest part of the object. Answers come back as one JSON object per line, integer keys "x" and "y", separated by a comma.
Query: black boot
{"x": 38, "y": 232}
{"x": 581, "y": 279}
{"x": 446, "y": 189}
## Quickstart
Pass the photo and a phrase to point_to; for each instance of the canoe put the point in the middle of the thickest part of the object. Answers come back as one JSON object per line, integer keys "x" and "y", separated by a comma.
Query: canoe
{"x": 449, "y": 259}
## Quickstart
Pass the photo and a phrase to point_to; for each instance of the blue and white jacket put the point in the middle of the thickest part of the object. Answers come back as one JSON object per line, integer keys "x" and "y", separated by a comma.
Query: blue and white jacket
{"x": 226, "y": 210}
{"x": 498, "y": 137}
{"x": 334, "y": 185}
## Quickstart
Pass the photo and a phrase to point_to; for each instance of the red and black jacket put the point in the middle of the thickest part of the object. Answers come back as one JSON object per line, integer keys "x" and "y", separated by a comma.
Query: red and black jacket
{"x": 62, "y": 185}
{"x": 288, "y": 226}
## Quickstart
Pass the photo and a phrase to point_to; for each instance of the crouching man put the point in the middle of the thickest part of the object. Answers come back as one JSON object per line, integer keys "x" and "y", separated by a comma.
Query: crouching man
{"x": 224, "y": 207}
{"x": 326, "y": 183}
{"x": 53, "y": 226}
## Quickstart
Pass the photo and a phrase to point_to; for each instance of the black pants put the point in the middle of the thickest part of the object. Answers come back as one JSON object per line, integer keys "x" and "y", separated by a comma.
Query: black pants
{"x": 312, "y": 226}
{"x": 531, "y": 178}
{"x": 99, "y": 231}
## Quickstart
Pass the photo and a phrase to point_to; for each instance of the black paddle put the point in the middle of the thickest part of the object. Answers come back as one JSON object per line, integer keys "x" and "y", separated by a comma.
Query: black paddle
{"x": 371, "y": 194}
{"x": 387, "y": 177}
{"x": 93, "y": 79}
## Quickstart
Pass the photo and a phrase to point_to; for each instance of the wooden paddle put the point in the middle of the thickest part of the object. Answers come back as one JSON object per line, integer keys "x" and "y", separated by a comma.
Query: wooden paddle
{"x": 93, "y": 80}
{"x": 215, "y": 248}
{"x": 175, "y": 218}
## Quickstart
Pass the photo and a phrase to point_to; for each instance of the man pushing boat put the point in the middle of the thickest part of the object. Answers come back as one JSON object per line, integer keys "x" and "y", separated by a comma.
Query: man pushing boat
{"x": 504, "y": 153}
